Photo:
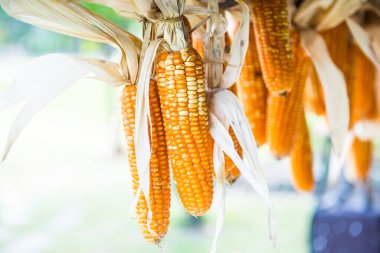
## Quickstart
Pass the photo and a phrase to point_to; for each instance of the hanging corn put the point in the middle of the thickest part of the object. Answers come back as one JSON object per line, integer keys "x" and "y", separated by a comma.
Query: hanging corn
{"x": 252, "y": 91}
{"x": 283, "y": 111}
{"x": 302, "y": 158}
{"x": 272, "y": 35}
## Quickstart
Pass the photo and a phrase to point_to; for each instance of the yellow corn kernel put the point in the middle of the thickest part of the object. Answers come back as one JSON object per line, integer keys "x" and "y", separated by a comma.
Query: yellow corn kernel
{"x": 159, "y": 165}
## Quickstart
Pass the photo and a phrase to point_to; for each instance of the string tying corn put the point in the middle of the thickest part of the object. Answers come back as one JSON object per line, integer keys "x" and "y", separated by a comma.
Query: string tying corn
{"x": 159, "y": 166}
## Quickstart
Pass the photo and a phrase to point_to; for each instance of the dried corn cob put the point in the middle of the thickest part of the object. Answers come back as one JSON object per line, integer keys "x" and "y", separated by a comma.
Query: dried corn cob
{"x": 314, "y": 98}
{"x": 197, "y": 44}
{"x": 159, "y": 165}
{"x": 183, "y": 104}
{"x": 302, "y": 158}
{"x": 273, "y": 43}
{"x": 362, "y": 152}
{"x": 363, "y": 97}
{"x": 252, "y": 91}
{"x": 283, "y": 111}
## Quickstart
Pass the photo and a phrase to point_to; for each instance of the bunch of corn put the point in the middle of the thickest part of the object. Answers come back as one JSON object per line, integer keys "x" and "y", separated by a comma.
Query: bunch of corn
{"x": 159, "y": 167}
{"x": 363, "y": 80}
{"x": 283, "y": 112}
{"x": 273, "y": 43}
{"x": 252, "y": 92}
{"x": 180, "y": 79}
{"x": 302, "y": 158}
{"x": 361, "y": 158}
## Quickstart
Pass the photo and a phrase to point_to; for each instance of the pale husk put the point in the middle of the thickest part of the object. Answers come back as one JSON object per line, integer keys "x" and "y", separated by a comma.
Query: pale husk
{"x": 324, "y": 14}
{"x": 46, "y": 77}
{"x": 334, "y": 88}
{"x": 367, "y": 40}
{"x": 68, "y": 17}
{"x": 226, "y": 111}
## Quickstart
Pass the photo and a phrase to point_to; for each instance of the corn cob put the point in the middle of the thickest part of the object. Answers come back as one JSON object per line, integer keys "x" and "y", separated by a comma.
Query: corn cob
{"x": 183, "y": 104}
{"x": 197, "y": 44}
{"x": 314, "y": 98}
{"x": 273, "y": 43}
{"x": 302, "y": 158}
{"x": 362, "y": 152}
{"x": 159, "y": 165}
{"x": 363, "y": 97}
{"x": 283, "y": 111}
{"x": 252, "y": 92}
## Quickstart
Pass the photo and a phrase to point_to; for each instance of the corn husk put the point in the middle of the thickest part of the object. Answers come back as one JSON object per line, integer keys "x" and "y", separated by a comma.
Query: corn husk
{"x": 226, "y": 111}
{"x": 367, "y": 40}
{"x": 68, "y": 17}
{"x": 126, "y": 8}
{"x": 334, "y": 88}
{"x": 325, "y": 14}
{"x": 46, "y": 77}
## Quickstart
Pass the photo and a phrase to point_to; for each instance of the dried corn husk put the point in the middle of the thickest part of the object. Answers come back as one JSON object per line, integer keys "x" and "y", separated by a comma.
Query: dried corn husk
{"x": 226, "y": 111}
{"x": 325, "y": 14}
{"x": 334, "y": 88}
{"x": 75, "y": 20}
{"x": 72, "y": 19}
{"x": 313, "y": 16}
{"x": 367, "y": 40}
{"x": 36, "y": 86}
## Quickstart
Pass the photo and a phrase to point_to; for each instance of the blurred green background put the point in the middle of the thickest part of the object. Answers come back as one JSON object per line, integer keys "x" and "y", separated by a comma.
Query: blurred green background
{"x": 66, "y": 184}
